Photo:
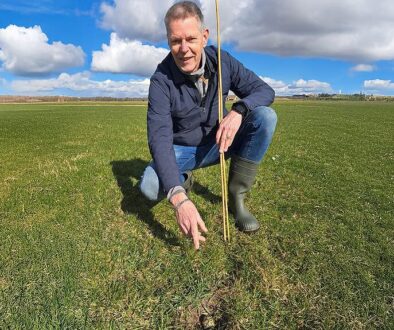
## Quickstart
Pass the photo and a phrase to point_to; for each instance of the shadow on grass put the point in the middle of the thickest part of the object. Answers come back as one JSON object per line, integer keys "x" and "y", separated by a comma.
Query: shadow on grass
{"x": 134, "y": 202}
{"x": 206, "y": 193}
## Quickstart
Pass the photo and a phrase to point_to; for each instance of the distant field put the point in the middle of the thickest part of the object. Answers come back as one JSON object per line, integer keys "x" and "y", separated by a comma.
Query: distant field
{"x": 81, "y": 248}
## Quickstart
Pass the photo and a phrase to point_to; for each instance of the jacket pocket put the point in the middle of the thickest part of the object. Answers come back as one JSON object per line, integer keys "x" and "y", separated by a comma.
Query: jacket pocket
{"x": 186, "y": 119}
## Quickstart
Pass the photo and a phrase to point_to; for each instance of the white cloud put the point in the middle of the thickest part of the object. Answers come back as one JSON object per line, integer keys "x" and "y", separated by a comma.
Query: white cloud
{"x": 136, "y": 19}
{"x": 26, "y": 51}
{"x": 81, "y": 84}
{"x": 379, "y": 85}
{"x": 341, "y": 29}
{"x": 363, "y": 68}
{"x": 127, "y": 56}
{"x": 298, "y": 87}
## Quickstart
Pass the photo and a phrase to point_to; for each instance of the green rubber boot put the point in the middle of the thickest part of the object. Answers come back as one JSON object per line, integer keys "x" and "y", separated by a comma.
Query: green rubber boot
{"x": 241, "y": 178}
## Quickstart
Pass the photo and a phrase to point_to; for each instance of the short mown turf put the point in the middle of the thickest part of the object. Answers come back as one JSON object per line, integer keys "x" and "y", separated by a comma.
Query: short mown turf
{"x": 81, "y": 248}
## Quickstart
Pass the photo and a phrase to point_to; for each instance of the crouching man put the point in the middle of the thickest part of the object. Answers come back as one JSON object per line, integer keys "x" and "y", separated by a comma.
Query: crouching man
{"x": 183, "y": 129}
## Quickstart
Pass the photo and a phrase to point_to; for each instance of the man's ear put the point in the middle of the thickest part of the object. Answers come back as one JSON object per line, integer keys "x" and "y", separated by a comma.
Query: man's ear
{"x": 205, "y": 36}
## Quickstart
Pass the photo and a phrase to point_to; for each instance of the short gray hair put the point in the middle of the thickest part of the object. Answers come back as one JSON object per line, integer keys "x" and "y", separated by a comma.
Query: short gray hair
{"x": 182, "y": 10}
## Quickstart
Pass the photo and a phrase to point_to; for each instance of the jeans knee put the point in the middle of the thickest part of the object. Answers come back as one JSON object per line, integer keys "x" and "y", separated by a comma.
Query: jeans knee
{"x": 149, "y": 184}
{"x": 266, "y": 116}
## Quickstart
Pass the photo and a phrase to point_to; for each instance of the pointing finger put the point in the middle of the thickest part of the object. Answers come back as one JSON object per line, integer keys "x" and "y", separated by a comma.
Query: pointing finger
{"x": 195, "y": 235}
{"x": 202, "y": 226}
{"x": 196, "y": 241}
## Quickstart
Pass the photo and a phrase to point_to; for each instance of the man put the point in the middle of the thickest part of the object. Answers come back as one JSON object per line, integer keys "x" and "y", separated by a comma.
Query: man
{"x": 183, "y": 129}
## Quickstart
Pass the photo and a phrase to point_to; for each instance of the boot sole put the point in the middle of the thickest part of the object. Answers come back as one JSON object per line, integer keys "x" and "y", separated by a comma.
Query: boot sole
{"x": 247, "y": 231}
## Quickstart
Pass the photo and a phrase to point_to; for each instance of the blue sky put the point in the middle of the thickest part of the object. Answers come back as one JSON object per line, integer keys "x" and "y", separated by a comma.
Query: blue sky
{"x": 110, "y": 48}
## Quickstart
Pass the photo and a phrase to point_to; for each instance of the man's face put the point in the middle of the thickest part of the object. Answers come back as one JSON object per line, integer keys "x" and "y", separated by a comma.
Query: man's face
{"x": 186, "y": 41}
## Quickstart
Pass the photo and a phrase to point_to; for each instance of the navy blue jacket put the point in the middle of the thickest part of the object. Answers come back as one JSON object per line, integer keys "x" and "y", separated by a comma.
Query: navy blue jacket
{"x": 177, "y": 114}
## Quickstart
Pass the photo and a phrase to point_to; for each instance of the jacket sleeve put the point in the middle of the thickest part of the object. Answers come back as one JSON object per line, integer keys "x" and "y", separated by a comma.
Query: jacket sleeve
{"x": 160, "y": 135}
{"x": 252, "y": 91}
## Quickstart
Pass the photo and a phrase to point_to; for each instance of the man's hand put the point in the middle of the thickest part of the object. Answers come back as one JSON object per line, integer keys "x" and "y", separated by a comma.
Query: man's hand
{"x": 227, "y": 130}
{"x": 189, "y": 220}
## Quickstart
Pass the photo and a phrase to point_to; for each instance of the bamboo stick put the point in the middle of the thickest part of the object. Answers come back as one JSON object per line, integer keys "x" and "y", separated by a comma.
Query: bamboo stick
{"x": 223, "y": 171}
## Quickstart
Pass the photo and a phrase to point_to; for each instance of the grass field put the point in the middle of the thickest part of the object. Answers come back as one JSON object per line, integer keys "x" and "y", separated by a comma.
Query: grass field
{"x": 81, "y": 248}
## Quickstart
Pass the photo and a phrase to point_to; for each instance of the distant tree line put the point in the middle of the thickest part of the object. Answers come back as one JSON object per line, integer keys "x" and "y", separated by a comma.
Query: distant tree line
{"x": 61, "y": 99}
{"x": 343, "y": 97}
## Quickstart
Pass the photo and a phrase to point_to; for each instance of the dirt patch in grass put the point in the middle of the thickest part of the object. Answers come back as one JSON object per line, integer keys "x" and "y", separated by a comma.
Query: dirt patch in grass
{"x": 209, "y": 314}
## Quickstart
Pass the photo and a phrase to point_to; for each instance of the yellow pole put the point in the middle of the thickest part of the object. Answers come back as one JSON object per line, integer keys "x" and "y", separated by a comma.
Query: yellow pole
{"x": 226, "y": 226}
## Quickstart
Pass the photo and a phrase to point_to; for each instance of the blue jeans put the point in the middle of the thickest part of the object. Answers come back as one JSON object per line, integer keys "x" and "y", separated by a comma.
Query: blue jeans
{"x": 251, "y": 142}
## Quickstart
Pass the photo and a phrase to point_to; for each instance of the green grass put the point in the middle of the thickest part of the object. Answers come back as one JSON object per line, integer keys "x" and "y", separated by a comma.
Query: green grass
{"x": 81, "y": 248}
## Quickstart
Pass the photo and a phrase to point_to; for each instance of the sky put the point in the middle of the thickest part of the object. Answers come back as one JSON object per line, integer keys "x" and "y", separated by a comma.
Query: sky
{"x": 112, "y": 47}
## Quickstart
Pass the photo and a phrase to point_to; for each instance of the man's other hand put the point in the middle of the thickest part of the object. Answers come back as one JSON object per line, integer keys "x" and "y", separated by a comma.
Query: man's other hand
{"x": 227, "y": 130}
{"x": 189, "y": 220}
